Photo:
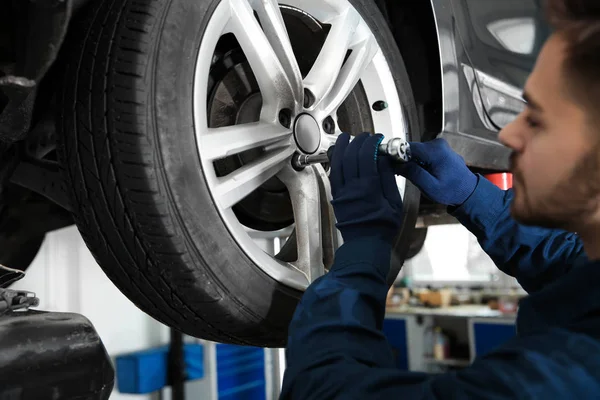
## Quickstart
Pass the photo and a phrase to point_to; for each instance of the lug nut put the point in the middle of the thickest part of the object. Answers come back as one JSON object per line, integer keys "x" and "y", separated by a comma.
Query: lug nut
{"x": 309, "y": 98}
{"x": 329, "y": 125}
{"x": 285, "y": 117}
{"x": 296, "y": 161}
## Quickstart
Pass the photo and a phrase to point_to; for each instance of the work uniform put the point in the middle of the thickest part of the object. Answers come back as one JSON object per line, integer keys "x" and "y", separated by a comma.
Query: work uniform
{"x": 336, "y": 349}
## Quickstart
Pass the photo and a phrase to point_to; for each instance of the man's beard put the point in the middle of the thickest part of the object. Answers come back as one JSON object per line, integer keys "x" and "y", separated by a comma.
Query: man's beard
{"x": 571, "y": 202}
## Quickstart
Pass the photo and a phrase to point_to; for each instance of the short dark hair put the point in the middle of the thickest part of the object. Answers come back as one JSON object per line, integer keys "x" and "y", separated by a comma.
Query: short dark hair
{"x": 579, "y": 23}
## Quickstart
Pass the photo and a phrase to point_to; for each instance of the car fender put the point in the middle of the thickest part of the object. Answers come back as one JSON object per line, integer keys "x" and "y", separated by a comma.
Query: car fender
{"x": 465, "y": 123}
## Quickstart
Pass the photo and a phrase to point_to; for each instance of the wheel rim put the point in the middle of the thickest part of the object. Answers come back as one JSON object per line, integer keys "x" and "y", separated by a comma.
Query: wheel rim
{"x": 286, "y": 95}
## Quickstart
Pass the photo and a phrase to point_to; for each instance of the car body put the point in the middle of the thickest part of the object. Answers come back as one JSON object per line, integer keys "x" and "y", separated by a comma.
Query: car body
{"x": 466, "y": 60}
{"x": 495, "y": 47}
{"x": 485, "y": 52}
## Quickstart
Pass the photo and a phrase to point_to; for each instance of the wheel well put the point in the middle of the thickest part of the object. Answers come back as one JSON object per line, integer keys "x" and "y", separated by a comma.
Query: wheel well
{"x": 413, "y": 26}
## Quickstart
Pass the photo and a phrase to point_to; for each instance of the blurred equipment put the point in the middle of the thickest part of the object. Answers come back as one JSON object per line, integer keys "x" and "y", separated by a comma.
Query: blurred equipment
{"x": 44, "y": 353}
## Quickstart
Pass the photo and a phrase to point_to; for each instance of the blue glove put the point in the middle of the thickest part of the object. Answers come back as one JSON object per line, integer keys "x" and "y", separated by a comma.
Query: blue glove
{"x": 366, "y": 200}
{"x": 439, "y": 172}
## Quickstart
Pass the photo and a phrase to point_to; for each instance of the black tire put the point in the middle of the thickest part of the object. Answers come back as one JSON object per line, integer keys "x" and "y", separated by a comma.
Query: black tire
{"x": 416, "y": 242}
{"x": 139, "y": 199}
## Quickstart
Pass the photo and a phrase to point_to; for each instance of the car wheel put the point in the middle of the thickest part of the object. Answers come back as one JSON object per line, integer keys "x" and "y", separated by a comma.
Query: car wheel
{"x": 179, "y": 120}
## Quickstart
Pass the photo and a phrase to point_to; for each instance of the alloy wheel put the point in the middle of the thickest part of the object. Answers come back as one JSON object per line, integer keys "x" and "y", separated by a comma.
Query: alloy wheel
{"x": 263, "y": 92}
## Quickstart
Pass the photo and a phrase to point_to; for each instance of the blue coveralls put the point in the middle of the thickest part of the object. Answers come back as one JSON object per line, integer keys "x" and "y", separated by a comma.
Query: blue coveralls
{"x": 336, "y": 349}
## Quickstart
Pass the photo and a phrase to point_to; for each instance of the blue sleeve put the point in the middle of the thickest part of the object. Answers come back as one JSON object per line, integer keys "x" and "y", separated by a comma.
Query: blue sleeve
{"x": 335, "y": 336}
{"x": 535, "y": 256}
{"x": 336, "y": 349}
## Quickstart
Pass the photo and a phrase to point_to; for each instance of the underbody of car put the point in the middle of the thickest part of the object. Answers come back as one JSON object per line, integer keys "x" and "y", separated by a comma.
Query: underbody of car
{"x": 163, "y": 129}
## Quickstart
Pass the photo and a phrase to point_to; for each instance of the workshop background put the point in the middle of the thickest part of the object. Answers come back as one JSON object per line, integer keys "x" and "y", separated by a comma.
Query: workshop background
{"x": 451, "y": 267}
{"x": 449, "y": 304}
{"x": 65, "y": 277}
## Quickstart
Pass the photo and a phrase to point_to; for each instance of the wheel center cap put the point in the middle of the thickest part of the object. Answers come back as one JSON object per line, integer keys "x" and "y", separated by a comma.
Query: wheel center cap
{"x": 307, "y": 134}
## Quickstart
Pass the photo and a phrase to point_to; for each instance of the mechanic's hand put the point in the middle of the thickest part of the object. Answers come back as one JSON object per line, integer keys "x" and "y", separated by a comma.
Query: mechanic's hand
{"x": 439, "y": 172}
{"x": 366, "y": 200}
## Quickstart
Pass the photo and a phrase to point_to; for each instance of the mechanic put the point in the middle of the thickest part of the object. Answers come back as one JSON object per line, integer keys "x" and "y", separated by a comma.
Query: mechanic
{"x": 336, "y": 349}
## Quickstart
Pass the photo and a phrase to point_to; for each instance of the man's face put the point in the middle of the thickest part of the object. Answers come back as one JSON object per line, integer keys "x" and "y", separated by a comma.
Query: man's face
{"x": 555, "y": 163}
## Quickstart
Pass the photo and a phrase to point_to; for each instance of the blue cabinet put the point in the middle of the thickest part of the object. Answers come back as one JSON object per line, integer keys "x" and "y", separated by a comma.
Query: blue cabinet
{"x": 488, "y": 334}
{"x": 407, "y": 335}
{"x": 395, "y": 331}
{"x": 146, "y": 371}
{"x": 240, "y": 372}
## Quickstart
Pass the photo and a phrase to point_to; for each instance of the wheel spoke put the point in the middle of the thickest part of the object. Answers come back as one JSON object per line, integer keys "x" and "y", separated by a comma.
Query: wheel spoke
{"x": 270, "y": 74}
{"x": 304, "y": 190}
{"x": 330, "y": 237}
{"x": 222, "y": 142}
{"x": 234, "y": 187}
{"x": 272, "y": 23}
{"x": 326, "y": 68}
{"x": 352, "y": 71}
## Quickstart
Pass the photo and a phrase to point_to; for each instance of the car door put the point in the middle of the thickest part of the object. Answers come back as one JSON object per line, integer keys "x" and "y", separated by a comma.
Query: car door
{"x": 502, "y": 39}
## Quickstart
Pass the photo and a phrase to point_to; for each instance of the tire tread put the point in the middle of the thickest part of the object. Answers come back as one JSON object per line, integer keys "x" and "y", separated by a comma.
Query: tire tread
{"x": 100, "y": 161}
